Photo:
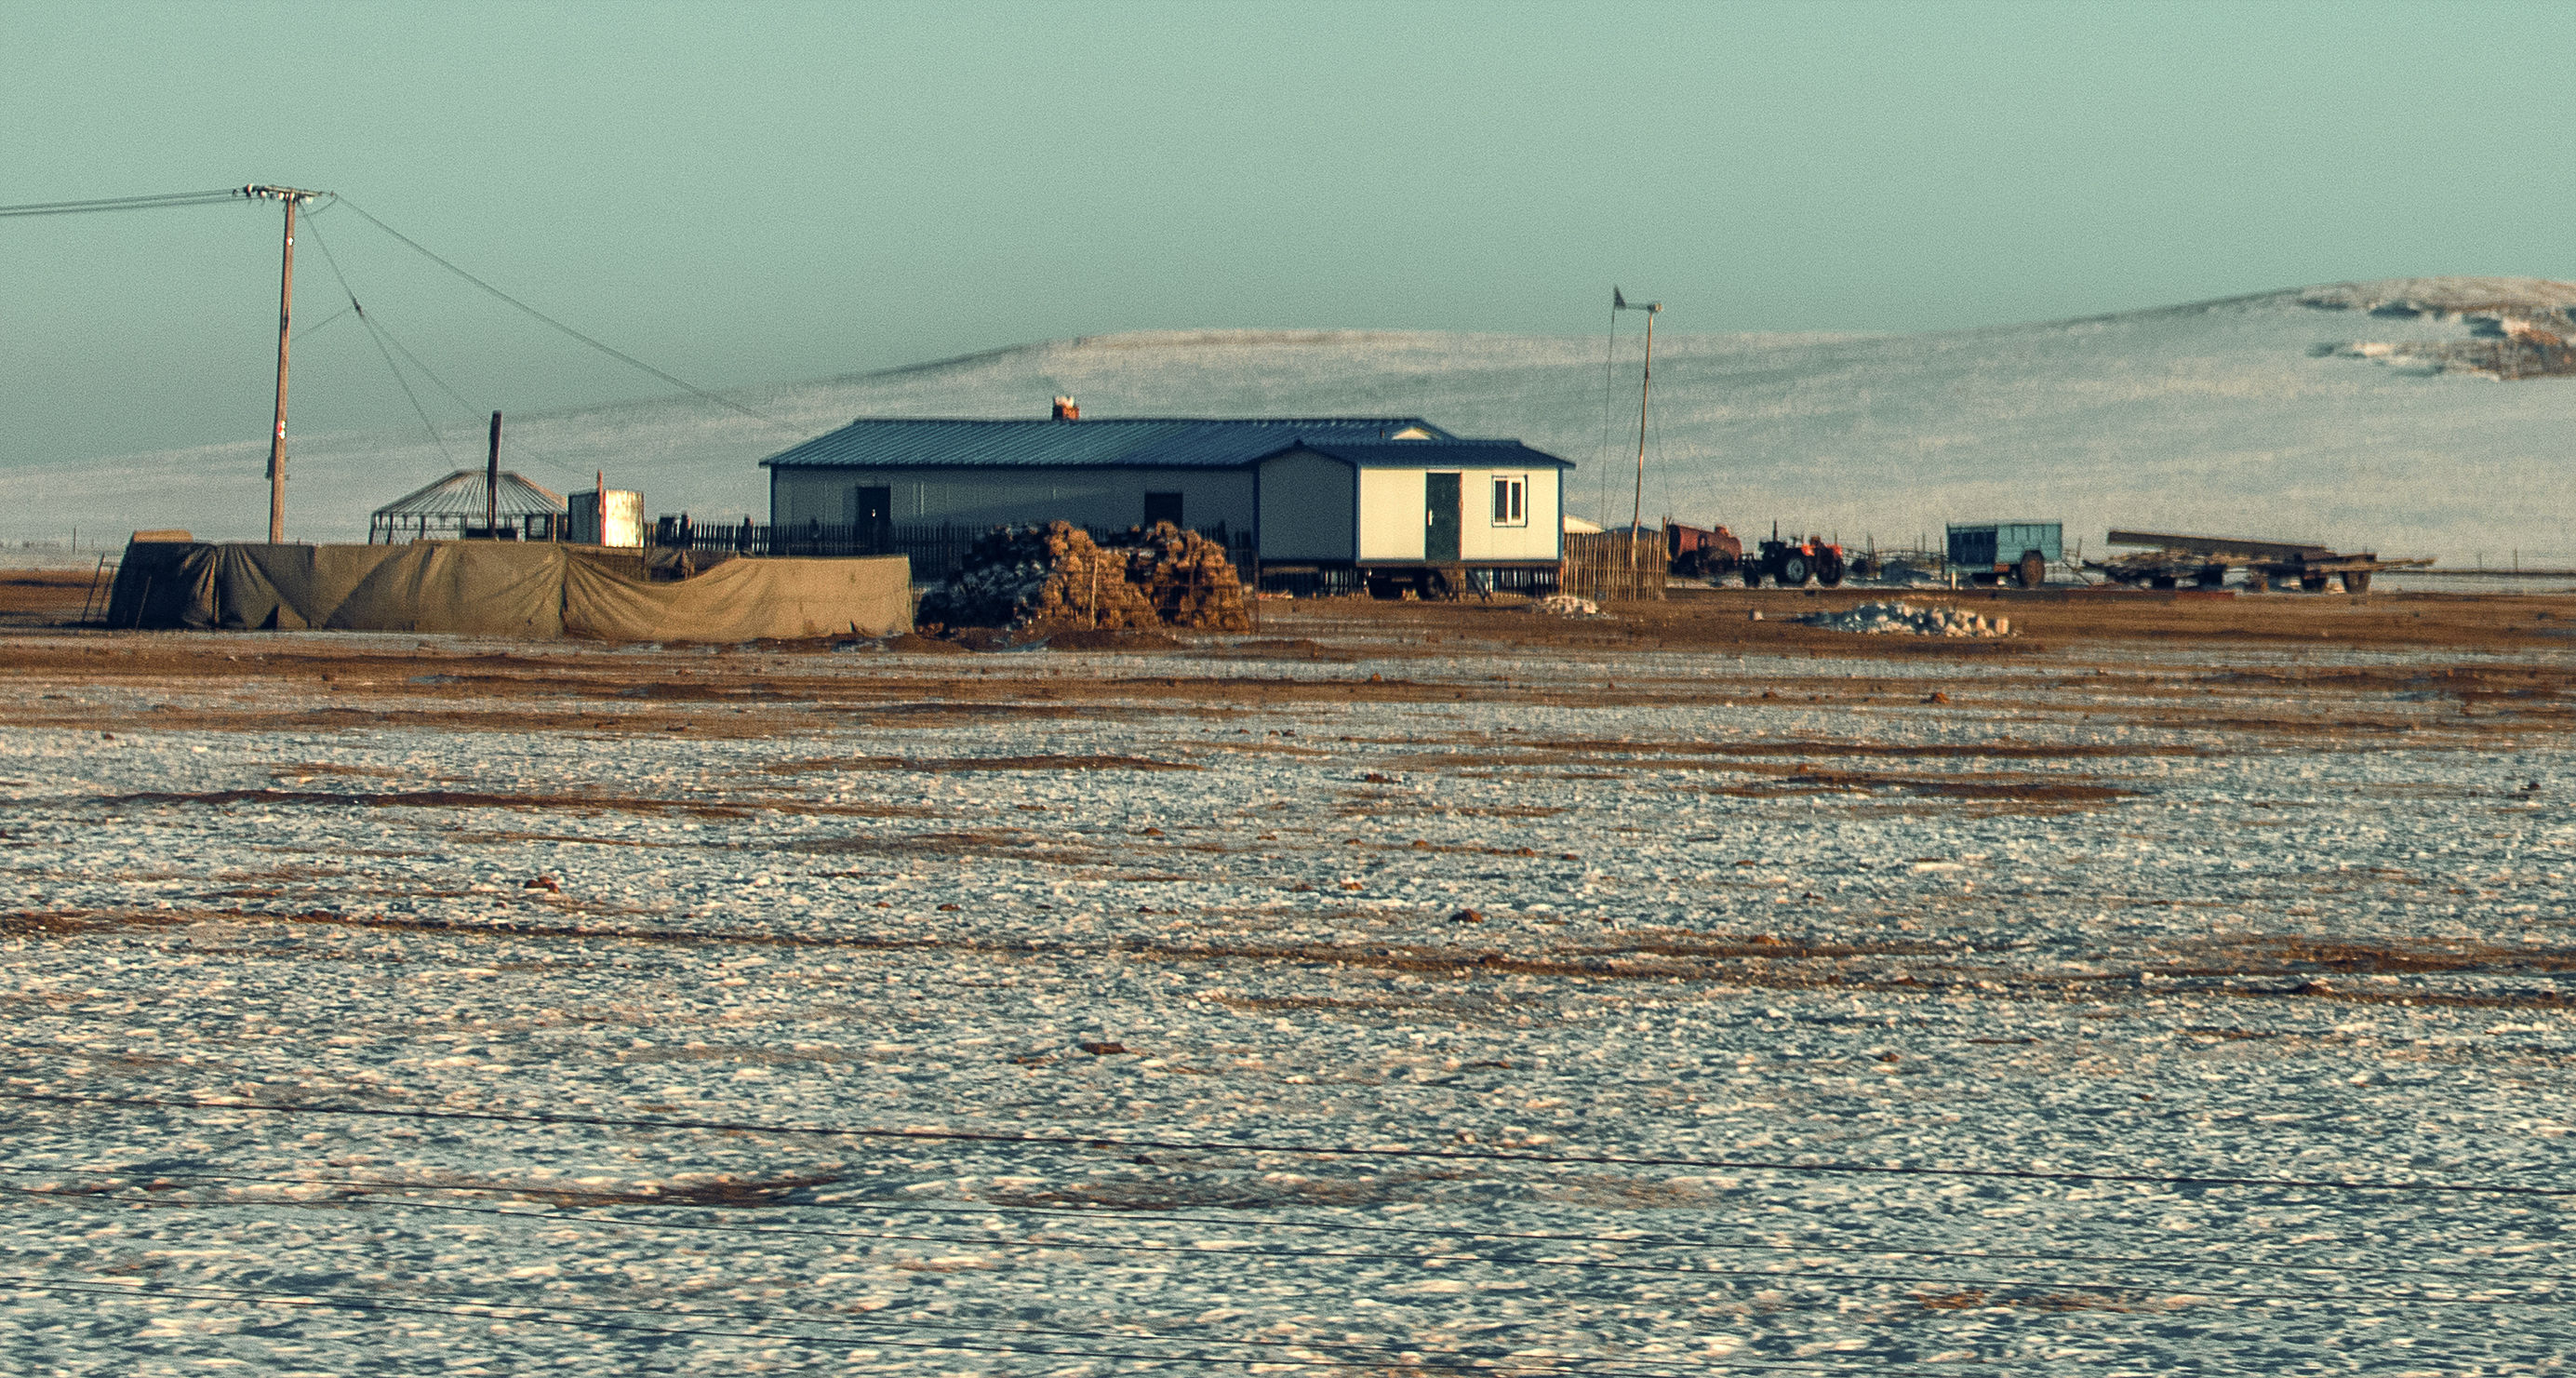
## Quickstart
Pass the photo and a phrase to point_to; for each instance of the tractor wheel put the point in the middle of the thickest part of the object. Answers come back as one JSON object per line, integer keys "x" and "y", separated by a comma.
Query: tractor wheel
{"x": 2312, "y": 583}
{"x": 1794, "y": 572}
{"x": 2162, "y": 581}
{"x": 2210, "y": 576}
{"x": 1753, "y": 576}
{"x": 2033, "y": 569}
{"x": 1829, "y": 571}
{"x": 2356, "y": 581}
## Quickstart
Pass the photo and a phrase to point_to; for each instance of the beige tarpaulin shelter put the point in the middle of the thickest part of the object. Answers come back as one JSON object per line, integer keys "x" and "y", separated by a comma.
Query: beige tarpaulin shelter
{"x": 501, "y": 588}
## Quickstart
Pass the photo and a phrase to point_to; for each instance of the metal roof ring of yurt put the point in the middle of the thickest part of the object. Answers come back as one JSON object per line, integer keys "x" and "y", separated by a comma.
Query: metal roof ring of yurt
{"x": 460, "y": 501}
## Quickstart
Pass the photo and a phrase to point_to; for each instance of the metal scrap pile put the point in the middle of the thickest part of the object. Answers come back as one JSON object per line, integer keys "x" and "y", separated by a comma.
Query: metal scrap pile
{"x": 1056, "y": 576}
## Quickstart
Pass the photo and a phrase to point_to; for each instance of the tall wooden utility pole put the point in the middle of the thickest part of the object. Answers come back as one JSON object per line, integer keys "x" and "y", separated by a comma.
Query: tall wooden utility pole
{"x": 292, "y": 197}
{"x": 1645, "y": 390}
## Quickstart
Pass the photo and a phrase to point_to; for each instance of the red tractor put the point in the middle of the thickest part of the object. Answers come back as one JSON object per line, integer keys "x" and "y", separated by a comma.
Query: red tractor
{"x": 1795, "y": 564}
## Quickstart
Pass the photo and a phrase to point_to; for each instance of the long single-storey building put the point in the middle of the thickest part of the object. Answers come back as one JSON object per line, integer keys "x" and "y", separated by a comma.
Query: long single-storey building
{"x": 1385, "y": 498}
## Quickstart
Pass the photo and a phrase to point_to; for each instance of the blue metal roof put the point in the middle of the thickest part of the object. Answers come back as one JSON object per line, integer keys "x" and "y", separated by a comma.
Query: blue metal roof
{"x": 1447, "y": 453}
{"x": 1137, "y": 443}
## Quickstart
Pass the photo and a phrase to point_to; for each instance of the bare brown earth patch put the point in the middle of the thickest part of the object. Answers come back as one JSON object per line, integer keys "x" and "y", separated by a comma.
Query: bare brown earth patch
{"x": 304, "y": 768}
{"x": 1760, "y": 961}
{"x": 951, "y": 764}
{"x": 575, "y": 804}
{"x": 2304, "y": 954}
{"x": 80, "y": 923}
{"x": 1107, "y": 639}
{"x": 432, "y": 799}
{"x": 2035, "y": 791}
{"x": 50, "y": 597}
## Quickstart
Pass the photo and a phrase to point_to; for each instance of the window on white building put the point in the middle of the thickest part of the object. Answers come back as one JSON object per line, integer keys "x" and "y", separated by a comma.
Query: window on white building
{"x": 1511, "y": 500}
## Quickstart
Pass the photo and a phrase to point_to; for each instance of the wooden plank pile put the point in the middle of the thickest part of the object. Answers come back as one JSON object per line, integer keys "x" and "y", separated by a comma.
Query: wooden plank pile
{"x": 1055, "y": 576}
{"x": 2171, "y": 560}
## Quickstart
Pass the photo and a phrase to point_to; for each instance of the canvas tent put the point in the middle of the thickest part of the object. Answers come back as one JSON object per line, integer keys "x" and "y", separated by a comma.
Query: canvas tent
{"x": 501, "y": 589}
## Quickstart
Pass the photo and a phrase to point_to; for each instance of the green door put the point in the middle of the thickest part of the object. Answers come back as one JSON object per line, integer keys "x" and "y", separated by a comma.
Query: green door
{"x": 1440, "y": 518}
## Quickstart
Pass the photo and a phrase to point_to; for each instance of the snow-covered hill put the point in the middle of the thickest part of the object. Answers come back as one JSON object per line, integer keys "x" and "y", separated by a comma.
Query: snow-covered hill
{"x": 2316, "y": 414}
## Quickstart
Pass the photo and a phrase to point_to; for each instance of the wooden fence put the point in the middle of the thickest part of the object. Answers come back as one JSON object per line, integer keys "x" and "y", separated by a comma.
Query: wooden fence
{"x": 936, "y": 549}
{"x": 1613, "y": 566}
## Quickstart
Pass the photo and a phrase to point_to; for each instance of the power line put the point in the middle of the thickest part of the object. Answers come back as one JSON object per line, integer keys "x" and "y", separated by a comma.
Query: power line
{"x": 167, "y": 200}
{"x": 592, "y": 341}
{"x": 384, "y": 336}
{"x": 326, "y": 320}
{"x": 1609, "y": 394}
{"x": 1061, "y": 1140}
{"x": 372, "y": 333}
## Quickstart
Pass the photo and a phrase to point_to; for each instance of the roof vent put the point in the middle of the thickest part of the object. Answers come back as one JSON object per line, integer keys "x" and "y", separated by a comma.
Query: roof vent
{"x": 1065, "y": 410}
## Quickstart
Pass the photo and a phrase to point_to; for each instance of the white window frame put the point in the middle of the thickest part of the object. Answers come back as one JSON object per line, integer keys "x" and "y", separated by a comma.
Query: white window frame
{"x": 1510, "y": 505}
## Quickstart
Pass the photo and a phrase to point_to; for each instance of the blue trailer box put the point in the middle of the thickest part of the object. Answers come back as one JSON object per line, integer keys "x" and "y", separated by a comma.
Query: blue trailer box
{"x": 1994, "y": 547}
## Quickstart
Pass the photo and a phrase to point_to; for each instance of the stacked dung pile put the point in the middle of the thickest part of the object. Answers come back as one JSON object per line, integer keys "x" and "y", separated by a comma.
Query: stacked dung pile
{"x": 1189, "y": 579}
{"x": 1053, "y": 575}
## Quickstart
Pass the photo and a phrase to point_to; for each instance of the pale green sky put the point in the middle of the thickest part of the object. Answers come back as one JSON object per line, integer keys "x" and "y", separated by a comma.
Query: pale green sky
{"x": 750, "y": 193}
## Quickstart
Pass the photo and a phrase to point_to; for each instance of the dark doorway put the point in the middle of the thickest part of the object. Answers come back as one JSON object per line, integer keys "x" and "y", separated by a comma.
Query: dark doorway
{"x": 1440, "y": 518}
{"x": 1162, "y": 507}
{"x": 872, "y": 519}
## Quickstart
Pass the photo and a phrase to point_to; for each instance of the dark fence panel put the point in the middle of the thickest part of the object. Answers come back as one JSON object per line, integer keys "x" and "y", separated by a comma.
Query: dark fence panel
{"x": 936, "y": 549}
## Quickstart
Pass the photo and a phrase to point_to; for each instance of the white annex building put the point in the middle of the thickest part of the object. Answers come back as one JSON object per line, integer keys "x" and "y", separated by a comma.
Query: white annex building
{"x": 1382, "y": 498}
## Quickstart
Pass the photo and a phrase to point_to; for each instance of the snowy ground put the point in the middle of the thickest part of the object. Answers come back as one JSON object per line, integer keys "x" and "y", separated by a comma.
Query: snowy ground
{"x": 2195, "y": 1012}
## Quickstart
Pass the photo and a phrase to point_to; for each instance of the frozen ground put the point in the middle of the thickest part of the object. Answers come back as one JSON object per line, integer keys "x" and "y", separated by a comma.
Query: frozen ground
{"x": 2202, "y": 417}
{"x": 2186, "y": 1011}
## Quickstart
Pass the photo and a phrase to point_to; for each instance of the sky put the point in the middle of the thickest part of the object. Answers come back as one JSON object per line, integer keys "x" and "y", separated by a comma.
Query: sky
{"x": 756, "y": 193}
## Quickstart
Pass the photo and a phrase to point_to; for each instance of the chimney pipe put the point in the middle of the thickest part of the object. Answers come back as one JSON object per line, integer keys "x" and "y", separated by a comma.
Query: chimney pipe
{"x": 492, "y": 484}
{"x": 1065, "y": 410}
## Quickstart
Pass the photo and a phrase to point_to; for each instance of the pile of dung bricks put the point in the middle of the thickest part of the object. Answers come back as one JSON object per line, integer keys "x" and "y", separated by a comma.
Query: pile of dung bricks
{"x": 1055, "y": 576}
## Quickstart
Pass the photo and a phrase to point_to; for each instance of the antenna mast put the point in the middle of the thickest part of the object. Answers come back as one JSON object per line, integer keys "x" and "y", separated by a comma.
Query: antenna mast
{"x": 1645, "y": 389}
{"x": 292, "y": 197}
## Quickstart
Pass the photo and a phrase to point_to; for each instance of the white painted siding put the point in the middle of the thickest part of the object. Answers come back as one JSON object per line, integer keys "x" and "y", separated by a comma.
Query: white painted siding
{"x": 1110, "y": 498}
{"x": 1533, "y": 538}
{"x": 1391, "y": 514}
{"x": 1305, "y": 504}
{"x": 1306, "y": 508}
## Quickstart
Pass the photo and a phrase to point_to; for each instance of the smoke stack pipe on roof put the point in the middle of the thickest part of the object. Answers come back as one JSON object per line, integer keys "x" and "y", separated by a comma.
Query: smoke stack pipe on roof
{"x": 492, "y": 483}
{"x": 1065, "y": 410}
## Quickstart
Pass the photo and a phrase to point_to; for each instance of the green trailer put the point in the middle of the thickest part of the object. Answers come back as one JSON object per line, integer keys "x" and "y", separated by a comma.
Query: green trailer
{"x": 1991, "y": 553}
